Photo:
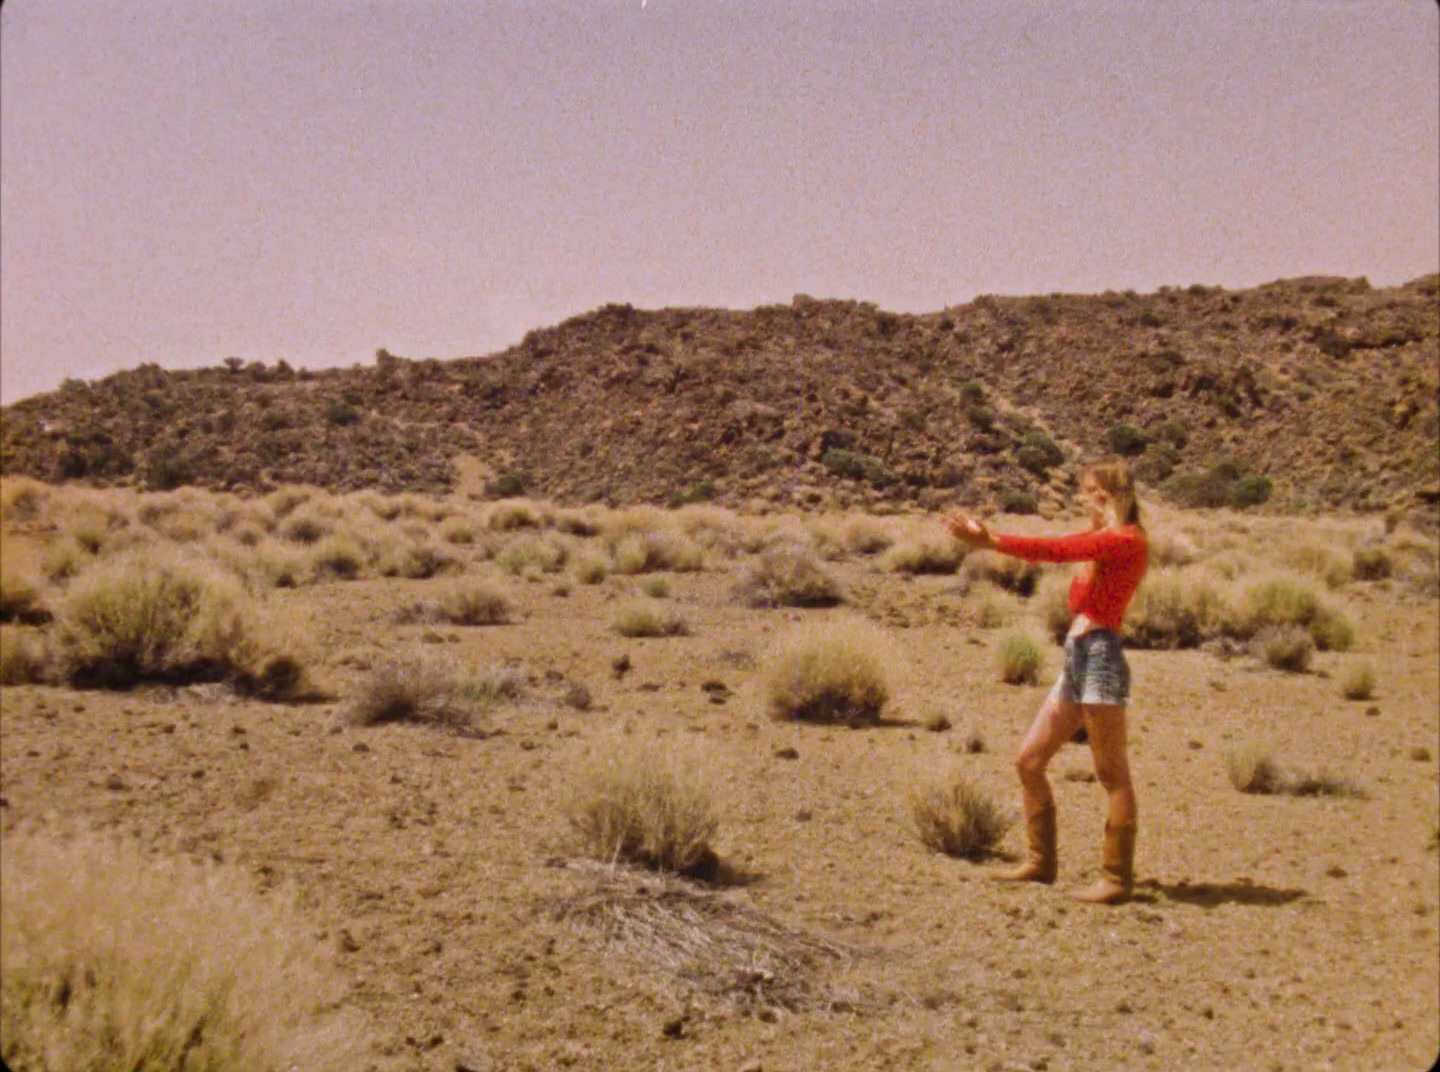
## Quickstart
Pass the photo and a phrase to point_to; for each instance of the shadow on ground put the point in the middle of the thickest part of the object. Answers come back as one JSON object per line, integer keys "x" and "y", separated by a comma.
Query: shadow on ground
{"x": 1211, "y": 894}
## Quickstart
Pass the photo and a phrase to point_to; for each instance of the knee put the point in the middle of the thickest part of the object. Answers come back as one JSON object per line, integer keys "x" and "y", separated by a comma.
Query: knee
{"x": 1030, "y": 765}
{"x": 1112, "y": 776}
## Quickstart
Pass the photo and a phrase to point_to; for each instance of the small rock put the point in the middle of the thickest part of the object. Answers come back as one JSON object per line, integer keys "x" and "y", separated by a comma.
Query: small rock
{"x": 360, "y": 746}
{"x": 674, "y": 1028}
{"x": 787, "y": 753}
{"x": 1420, "y": 754}
{"x": 1372, "y": 710}
{"x": 115, "y": 783}
{"x": 347, "y": 943}
{"x": 473, "y": 1062}
{"x": 804, "y": 815}
{"x": 753, "y": 1065}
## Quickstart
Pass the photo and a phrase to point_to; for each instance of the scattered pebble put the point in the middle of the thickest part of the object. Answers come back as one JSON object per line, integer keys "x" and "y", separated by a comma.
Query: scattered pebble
{"x": 787, "y": 753}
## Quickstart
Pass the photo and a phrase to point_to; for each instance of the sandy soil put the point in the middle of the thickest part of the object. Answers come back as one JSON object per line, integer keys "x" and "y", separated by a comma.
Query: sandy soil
{"x": 1269, "y": 932}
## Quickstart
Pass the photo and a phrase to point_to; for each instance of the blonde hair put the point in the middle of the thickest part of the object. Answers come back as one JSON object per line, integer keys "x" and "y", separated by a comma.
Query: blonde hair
{"x": 1112, "y": 473}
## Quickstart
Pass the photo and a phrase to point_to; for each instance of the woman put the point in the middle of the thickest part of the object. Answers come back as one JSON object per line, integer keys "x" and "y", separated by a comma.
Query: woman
{"x": 1094, "y": 685}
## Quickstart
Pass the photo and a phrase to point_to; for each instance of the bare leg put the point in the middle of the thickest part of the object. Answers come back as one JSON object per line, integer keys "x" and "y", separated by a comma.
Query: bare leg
{"x": 1055, "y": 723}
{"x": 1106, "y": 726}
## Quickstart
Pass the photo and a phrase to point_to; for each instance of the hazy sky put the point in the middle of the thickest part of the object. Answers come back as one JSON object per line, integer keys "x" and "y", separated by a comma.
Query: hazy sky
{"x": 312, "y": 179}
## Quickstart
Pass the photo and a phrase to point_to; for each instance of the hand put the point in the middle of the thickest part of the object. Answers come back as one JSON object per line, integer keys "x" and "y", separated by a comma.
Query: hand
{"x": 967, "y": 530}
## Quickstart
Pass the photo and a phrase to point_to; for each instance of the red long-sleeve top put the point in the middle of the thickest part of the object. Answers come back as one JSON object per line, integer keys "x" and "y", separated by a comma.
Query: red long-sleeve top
{"x": 1103, "y": 592}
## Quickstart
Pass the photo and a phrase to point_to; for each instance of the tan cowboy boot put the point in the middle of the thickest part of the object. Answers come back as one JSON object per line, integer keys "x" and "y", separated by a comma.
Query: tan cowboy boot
{"x": 1041, "y": 864}
{"x": 1117, "y": 872}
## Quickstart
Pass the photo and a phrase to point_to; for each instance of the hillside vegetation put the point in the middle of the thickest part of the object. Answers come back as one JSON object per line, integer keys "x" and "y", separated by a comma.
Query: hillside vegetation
{"x": 1299, "y": 395}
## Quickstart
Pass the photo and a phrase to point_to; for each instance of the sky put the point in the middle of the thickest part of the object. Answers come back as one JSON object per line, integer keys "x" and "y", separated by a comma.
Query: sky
{"x": 310, "y": 180}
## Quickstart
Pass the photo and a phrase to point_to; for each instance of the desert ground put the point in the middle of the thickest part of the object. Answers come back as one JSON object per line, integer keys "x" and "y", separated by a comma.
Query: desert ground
{"x": 437, "y": 876}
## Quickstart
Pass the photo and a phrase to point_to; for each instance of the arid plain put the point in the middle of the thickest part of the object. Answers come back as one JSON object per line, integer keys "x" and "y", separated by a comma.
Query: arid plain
{"x": 446, "y": 896}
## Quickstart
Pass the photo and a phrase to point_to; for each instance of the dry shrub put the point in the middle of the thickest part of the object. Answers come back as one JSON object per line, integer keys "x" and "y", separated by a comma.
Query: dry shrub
{"x": 1020, "y": 660}
{"x": 991, "y": 607}
{"x": 490, "y": 686}
{"x": 1371, "y": 563}
{"x": 24, "y": 656}
{"x": 471, "y": 604}
{"x": 1324, "y": 784}
{"x": 787, "y": 575}
{"x": 1003, "y": 571}
{"x": 1280, "y": 599}
{"x": 826, "y": 539}
{"x": 650, "y": 550}
{"x": 118, "y": 962}
{"x": 1230, "y": 564}
{"x": 712, "y": 527}
{"x": 867, "y": 536}
{"x": 592, "y": 568}
{"x": 706, "y": 941}
{"x": 1285, "y": 647}
{"x": 957, "y": 818}
{"x": 20, "y": 587}
{"x": 284, "y": 501}
{"x": 644, "y": 619}
{"x": 459, "y": 530}
{"x": 639, "y": 805}
{"x": 339, "y": 557}
{"x": 1358, "y": 682}
{"x": 830, "y": 672}
{"x": 418, "y": 561}
{"x": 385, "y": 507}
{"x": 275, "y": 565}
{"x": 411, "y": 689}
{"x": 21, "y": 498}
{"x": 1174, "y": 609}
{"x": 64, "y": 559}
{"x": 510, "y": 514}
{"x": 580, "y": 523}
{"x": 1320, "y": 562}
{"x": 926, "y": 553}
{"x": 1171, "y": 548}
{"x": 656, "y": 588}
{"x": 1252, "y": 770}
{"x": 167, "y": 618}
{"x": 1417, "y": 565}
{"x": 305, "y": 526}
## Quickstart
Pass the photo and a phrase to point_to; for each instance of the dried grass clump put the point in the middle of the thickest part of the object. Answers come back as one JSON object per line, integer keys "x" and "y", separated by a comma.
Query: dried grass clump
{"x": 830, "y": 672}
{"x": 1171, "y": 549}
{"x": 645, "y": 619}
{"x": 638, "y": 805}
{"x": 21, "y": 498}
{"x": 712, "y": 527}
{"x": 1252, "y": 770}
{"x": 867, "y": 536}
{"x": 991, "y": 607}
{"x": 1020, "y": 660}
{"x": 592, "y": 568}
{"x": 1279, "y": 600}
{"x": 338, "y": 557}
{"x": 957, "y": 818}
{"x": 1373, "y": 563}
{"x": 118, "y": 962}
{"x": 650, "y": 550}
{"x": 20, "y": 587}
{"x": 418, "y": 561}
{"x": 461, "y": 531}
{"x": 282, "y": 502}
{"x": 1003, "y": 571}
{"x": 1316, "y": 560}
{"x": 1285, "y": 647}
{"x": 787, "y": 575}
{"x": 708, "y": 944}
{"x": 929, "y": 553}
{"x": 510, "y": 514}
{"x": 1358, "y": 682}
{"x": 166, "y": 618}
{"x": 1174, "y": 609}
{"x": 470, "y": 604}
{"x": 24, "y": 656}
{"x": 411, "y": 689}
{"x": 491, "y": 686}
{"x": 305, "y": 526}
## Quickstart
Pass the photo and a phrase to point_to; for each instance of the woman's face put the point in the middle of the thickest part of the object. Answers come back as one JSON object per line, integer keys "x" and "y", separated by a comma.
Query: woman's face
{"x": 1094, "y": 499}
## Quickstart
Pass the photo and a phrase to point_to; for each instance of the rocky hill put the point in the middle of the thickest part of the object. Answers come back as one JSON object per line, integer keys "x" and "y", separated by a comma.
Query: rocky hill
{"x": 1304, "y": 393}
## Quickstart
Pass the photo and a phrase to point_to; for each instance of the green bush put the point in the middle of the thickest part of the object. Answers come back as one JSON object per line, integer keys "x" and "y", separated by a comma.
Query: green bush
{"x": 1015, "y": 501}
{"x": 856, "y": 466}
{"x": 1251, "y": 490}
{"x": 341, "y": 413}
{"x": 1126, "y": 440}
{"x": 1039, "y": 453}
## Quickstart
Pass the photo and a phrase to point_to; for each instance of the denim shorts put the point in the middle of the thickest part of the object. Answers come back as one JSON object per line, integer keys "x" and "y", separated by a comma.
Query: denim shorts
{"x": 1095, "y": 669}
